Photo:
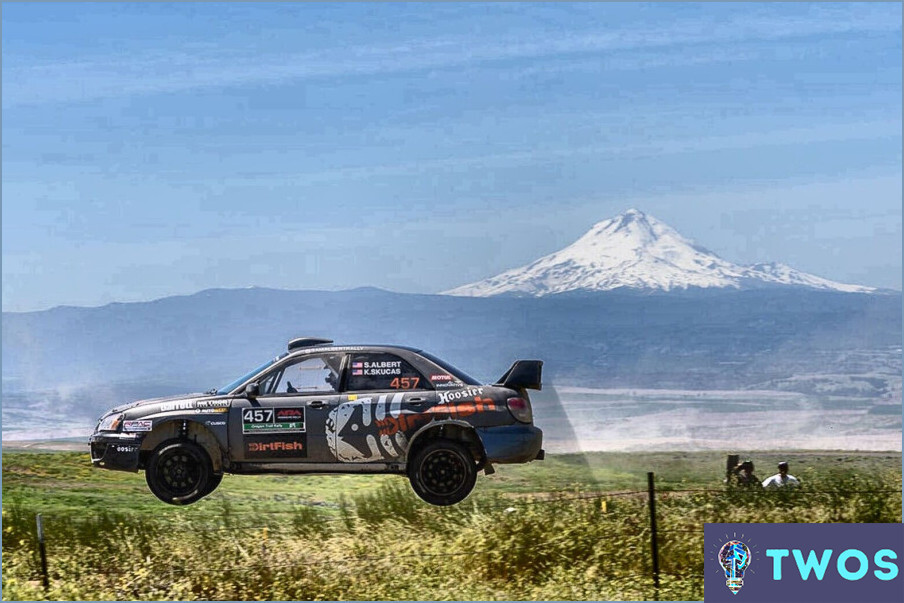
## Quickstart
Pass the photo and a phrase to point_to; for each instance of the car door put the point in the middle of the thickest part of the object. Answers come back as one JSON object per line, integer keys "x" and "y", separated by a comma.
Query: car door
{"x": 286, "y": 422}
{"x": 384, "y": 402}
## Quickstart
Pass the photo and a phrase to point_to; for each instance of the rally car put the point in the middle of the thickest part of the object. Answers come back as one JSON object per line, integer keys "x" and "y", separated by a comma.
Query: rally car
{"x": 323, "y": 408}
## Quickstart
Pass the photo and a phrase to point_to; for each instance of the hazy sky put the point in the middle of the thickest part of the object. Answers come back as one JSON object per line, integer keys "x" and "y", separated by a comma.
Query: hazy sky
{"x": 153, "y": 149}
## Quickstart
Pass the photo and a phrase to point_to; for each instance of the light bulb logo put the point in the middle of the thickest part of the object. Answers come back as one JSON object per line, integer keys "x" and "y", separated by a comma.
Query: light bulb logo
{"x": 734, "y": 557}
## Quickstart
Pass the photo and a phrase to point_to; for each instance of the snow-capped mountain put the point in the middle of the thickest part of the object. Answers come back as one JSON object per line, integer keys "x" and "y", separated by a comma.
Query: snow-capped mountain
{"x": 637, "y": 251}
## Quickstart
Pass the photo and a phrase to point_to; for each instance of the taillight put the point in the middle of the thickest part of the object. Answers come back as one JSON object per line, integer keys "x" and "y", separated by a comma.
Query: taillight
{"x": 520, "y": 409}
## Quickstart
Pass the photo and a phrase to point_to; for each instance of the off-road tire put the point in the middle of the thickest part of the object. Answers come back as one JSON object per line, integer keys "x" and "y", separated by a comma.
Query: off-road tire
{"x": 443, "y": 472}
{"x": 212, "y": 483}
{"x": 179, "y": 472}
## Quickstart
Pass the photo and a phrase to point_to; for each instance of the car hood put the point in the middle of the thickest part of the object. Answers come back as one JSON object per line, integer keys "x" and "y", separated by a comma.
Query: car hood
{"x": 150, "y": 401}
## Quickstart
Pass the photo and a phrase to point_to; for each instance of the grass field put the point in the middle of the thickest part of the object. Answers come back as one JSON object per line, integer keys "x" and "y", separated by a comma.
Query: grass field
{"x": 569, "y": 527}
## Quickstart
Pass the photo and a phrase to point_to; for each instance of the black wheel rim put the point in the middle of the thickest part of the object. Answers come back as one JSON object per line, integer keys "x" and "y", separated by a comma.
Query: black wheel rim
{"x": 443, "y": 472}
{"x": 179, "y": 472}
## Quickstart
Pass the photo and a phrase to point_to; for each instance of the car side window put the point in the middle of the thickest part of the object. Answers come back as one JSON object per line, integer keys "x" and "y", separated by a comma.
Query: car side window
{"x": 378, "y": 371}
{"x": 312, "y": 374}
{"x": 266, "y": 384}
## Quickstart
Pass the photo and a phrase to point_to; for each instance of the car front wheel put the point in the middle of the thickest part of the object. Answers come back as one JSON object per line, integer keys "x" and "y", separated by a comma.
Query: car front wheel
{"x": 179, "y": 472}
{"x": 213, "y": 482}
{"x": 443, "y": 472}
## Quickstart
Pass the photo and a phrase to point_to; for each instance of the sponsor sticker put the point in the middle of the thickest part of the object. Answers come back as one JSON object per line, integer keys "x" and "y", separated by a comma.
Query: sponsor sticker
{"x": 168, "y": 406}
{"x": 143, "y": 425}
{"x": 470, "y": 392}
{"x": 441, "y": 377}
{"x": 289, "y": 414}
{"x": 273, "y": 420}
{"x": 465, "y": 408}
{"x": 389, "y": 425}
{"x": 452, "y": 385}
{"x": 276, "y": 446}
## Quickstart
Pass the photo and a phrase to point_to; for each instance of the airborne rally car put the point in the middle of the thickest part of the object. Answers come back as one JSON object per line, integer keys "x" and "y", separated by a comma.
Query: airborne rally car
{"x": 321, "y": 408}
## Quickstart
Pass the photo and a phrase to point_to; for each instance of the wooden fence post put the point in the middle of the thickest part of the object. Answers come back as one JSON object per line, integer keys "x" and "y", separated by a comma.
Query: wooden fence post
{"x": 654, "y": 542}
{"x": 42, "y": 551}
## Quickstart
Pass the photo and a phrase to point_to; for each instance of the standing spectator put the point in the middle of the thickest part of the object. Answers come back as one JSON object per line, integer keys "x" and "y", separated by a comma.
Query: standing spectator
{"x": 782, "y": 479}
{"x": 745, "y": 477}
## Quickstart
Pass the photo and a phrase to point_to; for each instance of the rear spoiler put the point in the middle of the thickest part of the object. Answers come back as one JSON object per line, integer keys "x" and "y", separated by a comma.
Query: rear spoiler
{"x": 524, "y": 373}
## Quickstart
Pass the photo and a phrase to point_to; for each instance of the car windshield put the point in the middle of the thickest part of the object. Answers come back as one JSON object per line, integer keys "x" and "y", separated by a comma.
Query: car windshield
{"x": 458, "y": 374}
{"x": 228, "y": 388}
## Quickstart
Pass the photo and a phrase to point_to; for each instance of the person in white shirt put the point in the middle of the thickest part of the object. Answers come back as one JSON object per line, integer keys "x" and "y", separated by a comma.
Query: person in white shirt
{"x": 782, "y": 478}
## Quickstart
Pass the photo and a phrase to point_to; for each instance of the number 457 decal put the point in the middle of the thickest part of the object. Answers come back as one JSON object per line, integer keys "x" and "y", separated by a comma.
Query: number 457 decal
{"x": 404, "y": 383}
{"x": 273, "y": 420}
{"x": 258, "y": 415}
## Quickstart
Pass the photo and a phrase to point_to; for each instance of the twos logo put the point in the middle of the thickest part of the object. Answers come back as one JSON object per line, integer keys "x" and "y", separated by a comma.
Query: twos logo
{"x": 803, "y": 562}
{"x": 734, "y": 557}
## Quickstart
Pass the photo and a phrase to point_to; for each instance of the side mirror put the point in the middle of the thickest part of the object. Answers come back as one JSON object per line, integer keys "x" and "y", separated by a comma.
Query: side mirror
{"x": 252, "y": 390}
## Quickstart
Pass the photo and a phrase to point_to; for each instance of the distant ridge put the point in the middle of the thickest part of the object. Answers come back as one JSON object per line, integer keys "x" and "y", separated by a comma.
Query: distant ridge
{"x": 636, "y": 251}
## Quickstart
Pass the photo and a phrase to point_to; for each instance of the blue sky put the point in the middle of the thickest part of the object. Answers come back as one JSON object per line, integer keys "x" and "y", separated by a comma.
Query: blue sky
{"x": 153, "y": 149}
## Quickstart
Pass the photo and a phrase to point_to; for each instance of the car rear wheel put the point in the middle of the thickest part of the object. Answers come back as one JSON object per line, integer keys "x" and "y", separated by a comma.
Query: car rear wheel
{"x": 179, "y": 472}
{"x": 443, "y": 472}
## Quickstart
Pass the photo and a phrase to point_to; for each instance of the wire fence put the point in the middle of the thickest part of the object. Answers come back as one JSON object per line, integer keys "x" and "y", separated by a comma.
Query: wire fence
{"x": 225, "y": 523}
{"x": 640, "y": 529}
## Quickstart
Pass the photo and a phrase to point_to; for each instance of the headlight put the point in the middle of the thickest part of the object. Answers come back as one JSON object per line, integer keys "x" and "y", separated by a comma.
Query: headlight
{"x": 110, "y": 423}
